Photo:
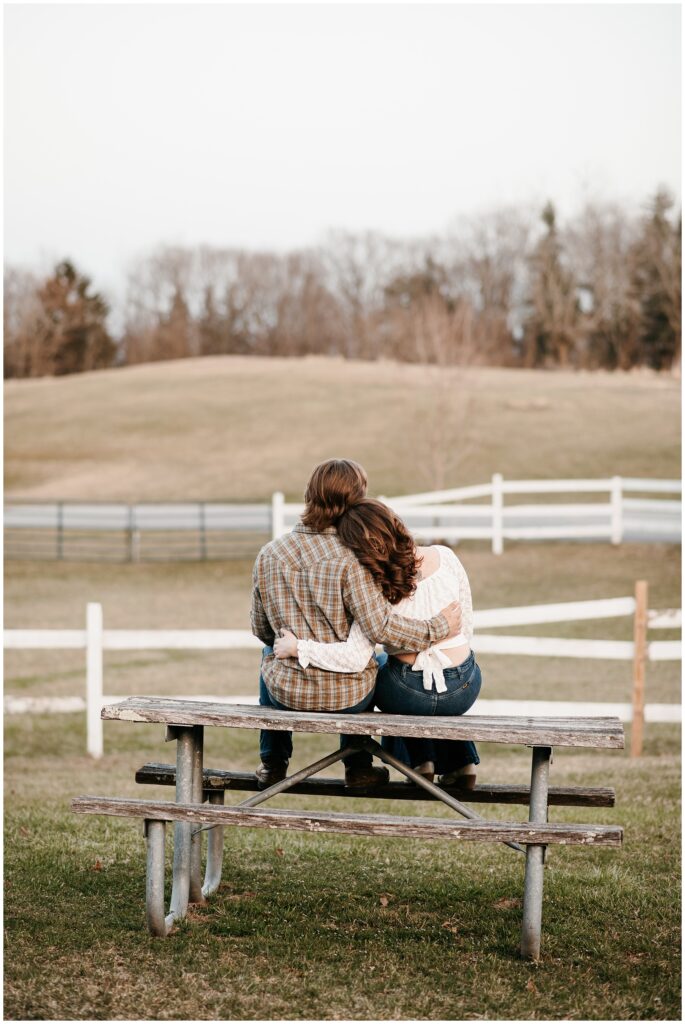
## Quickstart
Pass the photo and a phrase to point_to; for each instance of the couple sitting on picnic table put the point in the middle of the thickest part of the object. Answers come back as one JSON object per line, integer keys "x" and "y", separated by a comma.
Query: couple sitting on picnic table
{"x": 350, "y": 576}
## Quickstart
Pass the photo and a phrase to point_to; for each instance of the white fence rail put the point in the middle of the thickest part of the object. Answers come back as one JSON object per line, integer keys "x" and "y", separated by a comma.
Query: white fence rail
{"x": 96, "y": 640}
{"x": 445, "y": 515}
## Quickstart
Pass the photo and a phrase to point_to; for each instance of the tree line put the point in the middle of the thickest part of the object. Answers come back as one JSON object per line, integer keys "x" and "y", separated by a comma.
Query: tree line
{"x": 505, "y": 288}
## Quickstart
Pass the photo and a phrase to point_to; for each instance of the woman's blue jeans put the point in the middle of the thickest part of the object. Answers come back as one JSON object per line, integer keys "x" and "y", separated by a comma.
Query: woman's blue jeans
{"x": 399, "y": 691}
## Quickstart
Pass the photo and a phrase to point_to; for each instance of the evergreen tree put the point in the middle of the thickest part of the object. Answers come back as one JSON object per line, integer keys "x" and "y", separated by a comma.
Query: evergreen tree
{"x": 550, "y": 331}
{"x": 175, "y": 335}
{"x": 72, "y": 334}
{"x": 211, "y": 327}
{"x": 657, "y": 285}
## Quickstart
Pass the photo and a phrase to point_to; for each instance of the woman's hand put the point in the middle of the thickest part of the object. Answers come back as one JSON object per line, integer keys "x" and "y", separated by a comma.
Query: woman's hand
{"x": 285, "y": 646}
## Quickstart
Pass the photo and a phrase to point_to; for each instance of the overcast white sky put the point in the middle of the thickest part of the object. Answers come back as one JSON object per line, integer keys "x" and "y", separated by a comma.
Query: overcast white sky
{"x": 262, "y": 126}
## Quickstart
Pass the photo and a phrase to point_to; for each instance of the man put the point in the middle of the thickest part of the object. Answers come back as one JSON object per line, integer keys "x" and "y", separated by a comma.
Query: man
{"x": 310, "y": 583}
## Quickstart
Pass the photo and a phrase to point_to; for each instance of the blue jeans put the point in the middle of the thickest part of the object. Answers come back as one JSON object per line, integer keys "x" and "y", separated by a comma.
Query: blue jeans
{"x": 278, "y": 746}
{"x": 399, "y": 691}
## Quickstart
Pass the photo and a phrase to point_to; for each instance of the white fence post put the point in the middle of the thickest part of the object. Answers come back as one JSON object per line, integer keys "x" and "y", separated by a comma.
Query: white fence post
{"x": 497, "y": 514}
{"x": 616, "y": 510}
{"x": 277, "y": 515}
{"x": 94, "y": 743}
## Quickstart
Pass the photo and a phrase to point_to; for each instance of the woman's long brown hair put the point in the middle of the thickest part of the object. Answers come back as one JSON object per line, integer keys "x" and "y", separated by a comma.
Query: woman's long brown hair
{"x": 383, "y": 545}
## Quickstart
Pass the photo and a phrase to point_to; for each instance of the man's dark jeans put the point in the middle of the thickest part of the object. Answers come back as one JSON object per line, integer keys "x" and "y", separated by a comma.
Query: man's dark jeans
{"x": 277, "y": 747}
{"x": 399, "y": 691}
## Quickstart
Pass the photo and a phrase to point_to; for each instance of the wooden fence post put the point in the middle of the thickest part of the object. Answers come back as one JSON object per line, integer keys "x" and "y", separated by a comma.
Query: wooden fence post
{"x": 639, "y": 658}
{"x": 497, "y": 514}
{"x": 94, "y": 743}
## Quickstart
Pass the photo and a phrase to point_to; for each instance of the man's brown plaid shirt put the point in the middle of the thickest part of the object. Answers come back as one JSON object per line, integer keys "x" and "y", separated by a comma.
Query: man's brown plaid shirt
{"x": 312, "y": 584}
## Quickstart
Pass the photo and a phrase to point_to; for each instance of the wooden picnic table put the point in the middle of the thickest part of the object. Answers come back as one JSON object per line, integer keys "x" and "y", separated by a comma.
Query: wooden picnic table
{"x": 186, "y": 720}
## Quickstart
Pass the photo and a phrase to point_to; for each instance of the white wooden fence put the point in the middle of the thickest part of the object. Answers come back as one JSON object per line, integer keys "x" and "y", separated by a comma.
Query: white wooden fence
{"x": 95, "y": 639}
{"x": 448, "y": 516}
{"x": 181, "y": 531}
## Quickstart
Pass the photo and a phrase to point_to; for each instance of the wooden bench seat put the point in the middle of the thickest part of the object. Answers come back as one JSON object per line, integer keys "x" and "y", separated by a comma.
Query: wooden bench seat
{"x": 355, "y": 824}
{"x": 215, "y": 779}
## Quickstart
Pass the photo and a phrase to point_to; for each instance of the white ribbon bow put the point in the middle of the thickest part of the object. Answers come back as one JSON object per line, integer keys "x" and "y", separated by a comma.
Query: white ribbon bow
{"x": 431, "y": 663}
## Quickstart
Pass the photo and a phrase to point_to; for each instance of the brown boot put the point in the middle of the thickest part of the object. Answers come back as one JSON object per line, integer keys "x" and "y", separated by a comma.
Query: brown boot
{"x": 362, "y": 778}
{"x": 270, "y": 774}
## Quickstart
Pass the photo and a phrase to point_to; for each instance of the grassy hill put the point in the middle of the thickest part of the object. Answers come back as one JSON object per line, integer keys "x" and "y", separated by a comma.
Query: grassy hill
{"x": 239, "y": 428}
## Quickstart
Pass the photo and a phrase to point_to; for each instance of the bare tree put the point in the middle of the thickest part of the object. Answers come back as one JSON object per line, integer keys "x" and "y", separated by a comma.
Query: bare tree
{"x": 445, "y": 342}
{"x": 493, "y": 263}
{"x": 309, "y": 318}
{"x": 600, "y": 245}
{"x": 24, "y": 324}
{"x": 358, "y": 268}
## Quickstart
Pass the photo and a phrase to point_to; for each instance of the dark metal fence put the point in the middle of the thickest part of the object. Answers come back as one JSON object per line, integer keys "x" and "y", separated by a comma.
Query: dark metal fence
{"x": 148, "y": 532}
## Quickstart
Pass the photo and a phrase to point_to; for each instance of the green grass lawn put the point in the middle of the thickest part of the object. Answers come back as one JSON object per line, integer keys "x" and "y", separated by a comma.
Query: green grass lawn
{"x": 331, "y": 927}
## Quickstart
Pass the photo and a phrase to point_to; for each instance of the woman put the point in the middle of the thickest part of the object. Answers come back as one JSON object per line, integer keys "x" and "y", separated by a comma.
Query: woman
{"x": 443, "y": 680}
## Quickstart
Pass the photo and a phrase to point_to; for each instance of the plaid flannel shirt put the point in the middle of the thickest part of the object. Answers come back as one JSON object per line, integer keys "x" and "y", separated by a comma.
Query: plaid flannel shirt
{"x": 312, "y": 584}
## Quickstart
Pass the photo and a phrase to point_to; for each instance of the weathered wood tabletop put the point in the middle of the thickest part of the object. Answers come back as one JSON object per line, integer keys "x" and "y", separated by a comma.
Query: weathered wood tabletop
{"x": 543, "y": 731}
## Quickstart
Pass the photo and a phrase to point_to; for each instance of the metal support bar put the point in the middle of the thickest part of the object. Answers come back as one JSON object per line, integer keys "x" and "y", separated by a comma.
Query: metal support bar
{"x": 154, "y": 881}
{"x": 375, "y": 748}
{"x": 215, "y": 851}
{"x": 535, "y": 856}
{"x": 195, "y": 891}
{"x": 292, "y": 780}
{"x": 288, "y": 782}
{"x": 184, "y": 795}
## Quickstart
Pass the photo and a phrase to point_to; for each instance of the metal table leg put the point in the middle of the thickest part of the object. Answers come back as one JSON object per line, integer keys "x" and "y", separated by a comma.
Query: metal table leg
{"x": 195, "y": 890}
{"x": 154, "y": 884}
{"x": 215, "y": 833}
{"x": 187, "y": 876}
{"x": 185, "y": 748}
{"x": 535, "y": 856}
{"x": 215, "y": 851}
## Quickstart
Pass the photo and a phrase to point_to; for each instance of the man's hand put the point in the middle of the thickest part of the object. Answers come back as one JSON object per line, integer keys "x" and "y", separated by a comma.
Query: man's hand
{"x": 285, "y": 646}
{"x": 453, "y": 615}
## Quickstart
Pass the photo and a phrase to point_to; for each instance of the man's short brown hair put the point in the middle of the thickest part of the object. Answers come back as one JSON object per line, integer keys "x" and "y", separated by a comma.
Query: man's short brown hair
{"x": 333, "y": 487}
